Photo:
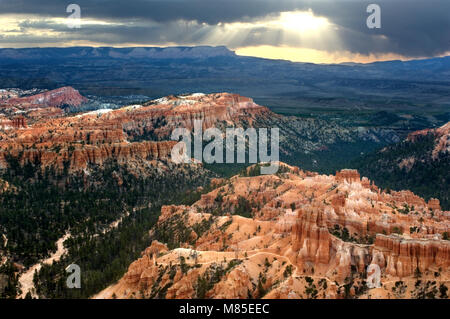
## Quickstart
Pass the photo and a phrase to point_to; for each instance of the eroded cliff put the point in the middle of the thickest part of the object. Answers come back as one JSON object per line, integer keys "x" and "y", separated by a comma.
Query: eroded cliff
{"x": 294, "y": 235}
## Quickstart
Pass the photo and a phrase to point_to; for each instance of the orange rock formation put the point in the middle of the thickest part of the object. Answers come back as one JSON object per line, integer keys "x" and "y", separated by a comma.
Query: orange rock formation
{"x": 94, "y": 137}
{"x": 54, "y": 98}
{"x": 310, "y": 236}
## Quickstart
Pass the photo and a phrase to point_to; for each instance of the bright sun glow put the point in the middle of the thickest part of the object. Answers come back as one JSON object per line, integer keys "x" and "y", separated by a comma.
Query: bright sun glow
{"x": 300, "y": 21}
{"x": 295, "y": 21}
{"x": 312, "y": 55}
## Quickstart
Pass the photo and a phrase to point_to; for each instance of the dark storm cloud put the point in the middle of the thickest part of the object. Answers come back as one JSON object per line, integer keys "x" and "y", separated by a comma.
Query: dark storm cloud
{"x": 207, "y": 11}
{"x": 412, "y": 27}
{"x": 409, "y": 27}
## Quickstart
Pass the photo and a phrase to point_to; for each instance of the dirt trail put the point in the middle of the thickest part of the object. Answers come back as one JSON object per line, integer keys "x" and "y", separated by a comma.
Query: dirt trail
{"x": 26, "y": 279}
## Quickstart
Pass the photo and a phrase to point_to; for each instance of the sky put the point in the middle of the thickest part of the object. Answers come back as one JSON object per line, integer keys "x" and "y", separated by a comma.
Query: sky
{"x": 318, "y": 31}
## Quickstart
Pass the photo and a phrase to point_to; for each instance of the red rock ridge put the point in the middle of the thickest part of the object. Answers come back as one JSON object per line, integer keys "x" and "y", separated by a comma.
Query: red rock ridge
{"x": 81, "y": 156}
{"x": 94, "y": 137}
{"x": 54, "y": 98}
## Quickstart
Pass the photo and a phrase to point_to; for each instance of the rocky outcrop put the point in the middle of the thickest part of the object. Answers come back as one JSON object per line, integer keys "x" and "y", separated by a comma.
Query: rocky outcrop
{"x": 405, "y": 257}
{"x": 17, "y": 122}
{"x": 80, "y": 156}
{"x": 155, "y": 120}
{"x": 317, "y": 247}
{"x": 94, "y": 137}
{"x": 65, "y": 96}
{"x": 434, "y": 204}
{"x": 304, "y": 235}
{"x": 311, "y": 238}
{"x": 442, "y": 137}
{"x": 166, "y": 114}
{"x": 348, "y": 175}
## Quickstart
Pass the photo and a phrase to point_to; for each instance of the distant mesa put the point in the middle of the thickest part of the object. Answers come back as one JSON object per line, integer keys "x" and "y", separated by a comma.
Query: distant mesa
{"x": 117, "y": 53}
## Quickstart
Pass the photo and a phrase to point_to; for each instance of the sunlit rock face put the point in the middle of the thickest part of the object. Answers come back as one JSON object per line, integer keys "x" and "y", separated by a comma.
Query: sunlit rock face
{"x": 405, "y": 256}
{"x": 133, "y": 132}
{"x": 293, "y": 235}
{"x": 51, "y": 134}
